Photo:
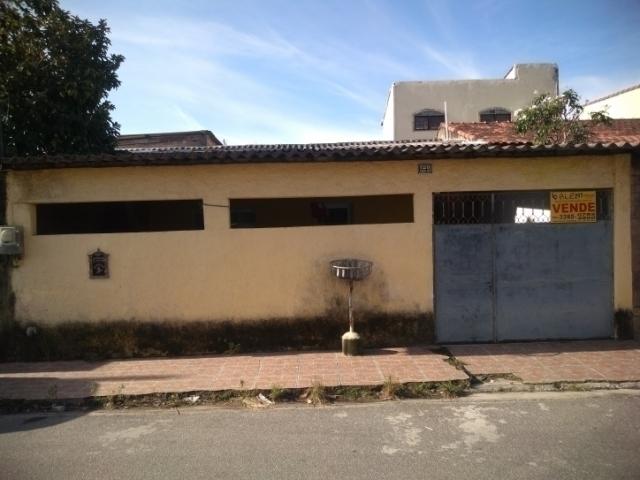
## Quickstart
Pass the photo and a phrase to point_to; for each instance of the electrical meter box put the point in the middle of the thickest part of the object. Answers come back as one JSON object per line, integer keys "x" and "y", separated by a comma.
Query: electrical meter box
{"x": 10, "y": 240}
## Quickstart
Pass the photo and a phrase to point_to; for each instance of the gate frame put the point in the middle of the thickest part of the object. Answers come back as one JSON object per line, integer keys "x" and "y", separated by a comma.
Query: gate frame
{"x": 494, "y": 324}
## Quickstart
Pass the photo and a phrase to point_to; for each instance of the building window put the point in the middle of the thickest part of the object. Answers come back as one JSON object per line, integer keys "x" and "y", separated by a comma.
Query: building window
{"x": 318, "y": 211}
{"x": 495, "y": 114}
{"x": 428, "y": 120}
{"x": 117, "y": 217}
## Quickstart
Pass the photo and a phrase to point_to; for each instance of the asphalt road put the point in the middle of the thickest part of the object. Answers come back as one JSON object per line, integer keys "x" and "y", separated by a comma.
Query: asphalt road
{"x": 498, "y": 436}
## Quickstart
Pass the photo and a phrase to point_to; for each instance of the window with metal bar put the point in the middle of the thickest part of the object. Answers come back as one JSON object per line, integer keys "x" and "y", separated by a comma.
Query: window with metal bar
{"x": 495, "y": 114}
{"x": 523, "y": 207}
{"x": 428, "y": 119}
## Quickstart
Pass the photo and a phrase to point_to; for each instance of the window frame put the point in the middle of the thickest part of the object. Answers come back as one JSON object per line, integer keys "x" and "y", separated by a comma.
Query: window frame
{"x": 494, "y": 112}
{"x": 428, "y": 114}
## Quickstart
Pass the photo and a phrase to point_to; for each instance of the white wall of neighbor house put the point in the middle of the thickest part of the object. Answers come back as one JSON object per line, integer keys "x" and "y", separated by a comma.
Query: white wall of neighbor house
{"x": 221, "y": 273}
{"x": 466, "y": 98}
{"x": 622, "y": 105}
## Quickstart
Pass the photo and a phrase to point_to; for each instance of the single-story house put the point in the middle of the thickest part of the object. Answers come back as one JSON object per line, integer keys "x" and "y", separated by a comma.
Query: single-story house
{"x": 491, "y": 242}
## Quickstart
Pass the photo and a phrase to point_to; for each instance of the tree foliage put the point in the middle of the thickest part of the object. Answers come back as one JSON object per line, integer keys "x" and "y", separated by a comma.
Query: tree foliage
{"x": 55, "y": 75}
{"x": 554, "y": 119}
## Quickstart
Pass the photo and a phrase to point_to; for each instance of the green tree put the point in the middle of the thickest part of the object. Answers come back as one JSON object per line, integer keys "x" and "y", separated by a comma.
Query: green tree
{"x": 556, "y": 119}
{"x": 55, "y": 75}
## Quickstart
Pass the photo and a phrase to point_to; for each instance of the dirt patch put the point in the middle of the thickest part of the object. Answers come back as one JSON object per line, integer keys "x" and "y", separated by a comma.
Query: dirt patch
{"x": 315, "y": 395}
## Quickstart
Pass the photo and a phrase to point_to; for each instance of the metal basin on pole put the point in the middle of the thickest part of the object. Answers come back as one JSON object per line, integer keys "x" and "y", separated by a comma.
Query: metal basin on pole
{"x": 351, "y": 269}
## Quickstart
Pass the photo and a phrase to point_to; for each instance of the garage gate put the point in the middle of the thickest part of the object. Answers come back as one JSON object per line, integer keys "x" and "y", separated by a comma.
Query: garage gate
{"x": 504, "y": 272}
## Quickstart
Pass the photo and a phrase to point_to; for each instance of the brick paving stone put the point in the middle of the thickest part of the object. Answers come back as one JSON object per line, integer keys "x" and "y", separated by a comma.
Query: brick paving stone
{"x": 548, "y": 362}
{"x": 78, "y": 379}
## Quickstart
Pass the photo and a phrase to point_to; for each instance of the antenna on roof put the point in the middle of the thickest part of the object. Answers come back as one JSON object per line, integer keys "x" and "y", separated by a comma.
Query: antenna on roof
{"x": 446, "y": 122}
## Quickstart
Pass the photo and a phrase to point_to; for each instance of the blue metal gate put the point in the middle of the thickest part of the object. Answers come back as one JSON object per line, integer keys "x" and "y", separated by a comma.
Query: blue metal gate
{"x": 499, "y": 281}
{"x": 464, "y": 283}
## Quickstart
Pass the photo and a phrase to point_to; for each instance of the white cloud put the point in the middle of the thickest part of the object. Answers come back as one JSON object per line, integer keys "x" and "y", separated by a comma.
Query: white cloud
{"x": 459, "y": 64}
{"x": 187, "y": 121}
{"x": 198, "y": 36}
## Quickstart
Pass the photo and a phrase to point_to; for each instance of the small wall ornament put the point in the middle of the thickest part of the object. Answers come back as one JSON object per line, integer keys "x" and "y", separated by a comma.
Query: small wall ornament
{"x": 98, "y": 264}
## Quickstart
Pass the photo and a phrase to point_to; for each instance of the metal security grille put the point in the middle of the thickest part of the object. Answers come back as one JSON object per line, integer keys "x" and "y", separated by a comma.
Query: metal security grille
{"x": 462, "y": 208}
{"x": 523, "y": 207}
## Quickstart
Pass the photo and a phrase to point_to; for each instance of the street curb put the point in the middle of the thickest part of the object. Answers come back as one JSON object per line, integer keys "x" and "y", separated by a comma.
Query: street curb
{"x": 499, "y": 386}
{"x": 327, "y": 394}
{"x": 246, "y": 398}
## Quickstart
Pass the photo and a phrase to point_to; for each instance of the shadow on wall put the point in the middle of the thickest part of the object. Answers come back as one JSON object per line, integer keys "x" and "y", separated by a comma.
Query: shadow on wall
{"x": 308, "y": 330}
{"x": 324, "y": 290}
{"x": 127, "y": 339}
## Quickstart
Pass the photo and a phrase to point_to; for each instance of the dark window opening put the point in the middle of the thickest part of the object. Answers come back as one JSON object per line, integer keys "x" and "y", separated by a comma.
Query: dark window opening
{"x": 428, "y": 120}
{"x": 119, "y": 217}
{"x": 496, "y": 114}
{"x": 316, "y": 211}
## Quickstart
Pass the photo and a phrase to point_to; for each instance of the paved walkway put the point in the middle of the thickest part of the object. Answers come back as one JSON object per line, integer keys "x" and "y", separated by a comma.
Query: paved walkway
{"x": 221, "y": 372}
{"x": 548, "y": 362}
{"x": 543, "y": 362}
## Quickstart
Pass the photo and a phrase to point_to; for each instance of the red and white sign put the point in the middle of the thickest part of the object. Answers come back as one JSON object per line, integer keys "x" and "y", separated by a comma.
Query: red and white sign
{"x": 573, "y": 207}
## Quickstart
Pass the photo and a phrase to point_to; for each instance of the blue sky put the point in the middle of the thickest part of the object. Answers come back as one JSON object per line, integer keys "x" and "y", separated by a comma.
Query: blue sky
{"x": 312, "y": 71}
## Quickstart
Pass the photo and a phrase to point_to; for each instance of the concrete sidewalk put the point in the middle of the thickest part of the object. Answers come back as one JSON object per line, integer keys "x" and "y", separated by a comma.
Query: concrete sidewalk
{"x": 65, "y": 380}
{"x": 534, "y": 363}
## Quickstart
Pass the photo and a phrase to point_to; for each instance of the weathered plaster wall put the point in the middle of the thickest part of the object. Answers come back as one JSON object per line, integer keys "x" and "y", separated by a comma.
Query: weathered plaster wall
{"x": 223, "y": 273}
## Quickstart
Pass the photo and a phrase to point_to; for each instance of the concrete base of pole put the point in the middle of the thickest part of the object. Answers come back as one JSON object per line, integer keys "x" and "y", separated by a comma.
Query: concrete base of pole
{"x": 351, "y": 343}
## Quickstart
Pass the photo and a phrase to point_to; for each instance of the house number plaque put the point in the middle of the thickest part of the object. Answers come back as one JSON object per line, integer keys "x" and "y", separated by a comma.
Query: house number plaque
{"x": 424, "y": 169}
{"x": 98, "y": 264}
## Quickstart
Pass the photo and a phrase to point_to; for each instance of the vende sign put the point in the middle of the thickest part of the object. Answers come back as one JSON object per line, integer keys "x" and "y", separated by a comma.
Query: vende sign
{"x": 573, "y": 207}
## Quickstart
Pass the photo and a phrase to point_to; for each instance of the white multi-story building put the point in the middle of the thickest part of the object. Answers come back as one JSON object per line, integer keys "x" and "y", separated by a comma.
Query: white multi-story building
{"x": 416, "y": 109}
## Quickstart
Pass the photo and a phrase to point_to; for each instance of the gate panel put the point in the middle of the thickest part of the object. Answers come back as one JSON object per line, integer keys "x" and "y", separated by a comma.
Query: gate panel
{"x": 463, "y": 283}
{"x": 553, "y": 281}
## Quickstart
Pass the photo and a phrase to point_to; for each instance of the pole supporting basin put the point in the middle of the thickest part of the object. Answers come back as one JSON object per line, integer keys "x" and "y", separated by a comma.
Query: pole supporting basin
{"x": 351, "y": 269}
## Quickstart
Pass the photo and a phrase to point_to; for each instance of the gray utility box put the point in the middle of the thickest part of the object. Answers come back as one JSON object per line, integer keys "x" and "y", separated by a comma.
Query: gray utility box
{"x": 10, "y": 240}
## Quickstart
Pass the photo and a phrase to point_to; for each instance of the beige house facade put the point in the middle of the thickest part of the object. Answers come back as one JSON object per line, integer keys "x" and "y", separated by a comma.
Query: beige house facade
{"x": 237, "y": 250}
{"x": 415, "y": 109}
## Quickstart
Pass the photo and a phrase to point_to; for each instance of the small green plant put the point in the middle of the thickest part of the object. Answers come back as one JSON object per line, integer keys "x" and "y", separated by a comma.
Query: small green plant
{"x": 390, "y": 389}
{"x": 574, "y": 387}
{"x": 277, "y": 393}
{"x": 419, "y": 390}
{"x": 452, "y": 389}
{"x": 355, "y": 393}
{"x": 224, "y": 395}
{"x": 316, "y": 394}
{"x": 232, "y": 348}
